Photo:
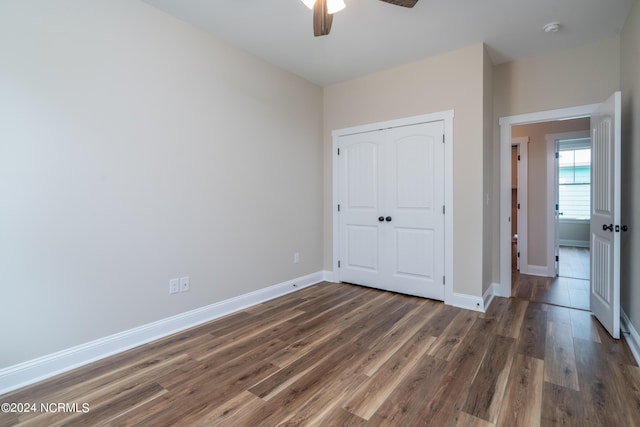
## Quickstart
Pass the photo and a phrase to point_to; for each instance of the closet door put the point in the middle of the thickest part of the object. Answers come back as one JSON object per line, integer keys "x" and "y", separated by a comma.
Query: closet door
{"x": 391, "y": 192}
{"x": 361, "y": 194}
{"x": 414, "y": 238}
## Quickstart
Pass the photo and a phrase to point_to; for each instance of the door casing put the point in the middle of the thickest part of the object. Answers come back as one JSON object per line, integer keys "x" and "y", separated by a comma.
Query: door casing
{"x": 447, "y": 118}
{"x": 504, "y": 288}
{"x": 523, "y": 194}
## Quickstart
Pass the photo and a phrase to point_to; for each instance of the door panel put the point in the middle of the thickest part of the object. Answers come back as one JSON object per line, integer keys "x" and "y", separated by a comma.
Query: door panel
{"x": 605, "y": 214}
{"x": 362, "y": 244}
{"x": 602, "y": 253}
{"x": 412, "y": 244}
{"x": 362, "y": 175}
{"x": 415, "y": 182}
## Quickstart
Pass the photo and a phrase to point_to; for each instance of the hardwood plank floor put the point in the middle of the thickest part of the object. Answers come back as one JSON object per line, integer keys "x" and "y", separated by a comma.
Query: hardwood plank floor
{"x": 574, "y": 262}
{"x": 343, "y": 355}
{"x": 569, "y": 289}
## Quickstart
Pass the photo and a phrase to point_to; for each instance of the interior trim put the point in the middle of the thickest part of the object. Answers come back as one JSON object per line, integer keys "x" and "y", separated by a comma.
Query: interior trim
{"x": 504, "y": 289}
{"x": 447, "y": 117}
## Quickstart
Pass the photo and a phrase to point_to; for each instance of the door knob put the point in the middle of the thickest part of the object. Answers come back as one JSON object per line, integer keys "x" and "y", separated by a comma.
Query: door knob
{"x": 380, "y": 218}
{"x": 388, "y": 219}
{"x": 606, "y": 227}
{"x": 625, "y": 228}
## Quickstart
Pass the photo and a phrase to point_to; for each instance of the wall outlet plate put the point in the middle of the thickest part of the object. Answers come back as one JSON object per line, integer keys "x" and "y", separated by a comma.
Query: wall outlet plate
{"x": 174, "y": 286}
{"x": 184, "y": 284}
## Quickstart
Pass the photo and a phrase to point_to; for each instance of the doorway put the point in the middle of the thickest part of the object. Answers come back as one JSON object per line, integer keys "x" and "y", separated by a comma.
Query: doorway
{"x": 536, "y": 276}
{"x": 506, "y": 135}
{"x": 572, "y": 170}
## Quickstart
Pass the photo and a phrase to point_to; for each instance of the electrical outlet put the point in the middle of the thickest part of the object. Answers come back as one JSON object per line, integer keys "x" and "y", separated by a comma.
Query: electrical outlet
{"x": 174, "y": 286}
{"x": 296, "y": 257}
{"x": 184, "y": 284}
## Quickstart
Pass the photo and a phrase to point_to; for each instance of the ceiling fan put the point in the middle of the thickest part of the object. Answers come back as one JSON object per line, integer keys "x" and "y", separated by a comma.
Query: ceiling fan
{"x": 323, "y": 11}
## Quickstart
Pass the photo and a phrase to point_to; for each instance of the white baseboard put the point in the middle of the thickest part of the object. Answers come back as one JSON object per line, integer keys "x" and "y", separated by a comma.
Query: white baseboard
{"x": 539, "y": 270}
{"x": 329, "y": 276}
{"x": 468, "y": 302}
{"x": 633, "y": 339}
{"x": 489, "y": 294}
{"x": 23, "y": 374}
{"x": 574, "y": 243}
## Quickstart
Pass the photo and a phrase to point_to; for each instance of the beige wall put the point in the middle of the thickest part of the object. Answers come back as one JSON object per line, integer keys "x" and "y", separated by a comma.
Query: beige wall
{"x": 580, "y": 76}
{"x": 133, "y": 149}
{"x": 487, "y": 173}
{"x": 450, "y": 81}
{"x": 565, "y": 78}
{"x": 537, "y": 180}
{"x": 630, "y": 243}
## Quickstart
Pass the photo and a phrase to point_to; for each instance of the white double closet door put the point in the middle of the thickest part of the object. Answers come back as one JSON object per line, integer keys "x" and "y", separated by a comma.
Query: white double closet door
{"x": 391, "y": 218}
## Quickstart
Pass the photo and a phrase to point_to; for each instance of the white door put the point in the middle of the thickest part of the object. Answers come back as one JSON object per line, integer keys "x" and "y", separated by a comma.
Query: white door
{"x": 605, "y": 214}
{"x": 391, "y": 192}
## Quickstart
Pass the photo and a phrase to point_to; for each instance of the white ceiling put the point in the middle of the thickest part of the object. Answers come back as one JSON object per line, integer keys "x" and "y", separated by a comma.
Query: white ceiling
{"x": 369, "y": 35}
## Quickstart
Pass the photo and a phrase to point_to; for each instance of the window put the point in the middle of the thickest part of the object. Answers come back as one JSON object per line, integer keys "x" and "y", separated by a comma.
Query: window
{"x": 574, "y": 180}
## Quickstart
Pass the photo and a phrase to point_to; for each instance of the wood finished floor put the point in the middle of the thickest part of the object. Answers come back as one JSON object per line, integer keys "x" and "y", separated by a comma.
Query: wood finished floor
{"x": 569, "y": 289}
{"x": 574, "y": 262}
{"x": 343, "y": 355}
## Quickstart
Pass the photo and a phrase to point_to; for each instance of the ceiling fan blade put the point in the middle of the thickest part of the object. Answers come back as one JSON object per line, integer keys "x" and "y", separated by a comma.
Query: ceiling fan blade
{"x": 322, "y": 20}
{"x": 404, "y": 3}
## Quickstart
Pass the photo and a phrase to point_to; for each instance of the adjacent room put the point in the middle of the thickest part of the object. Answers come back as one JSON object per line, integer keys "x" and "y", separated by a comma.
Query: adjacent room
{"x": 222, "y": 212}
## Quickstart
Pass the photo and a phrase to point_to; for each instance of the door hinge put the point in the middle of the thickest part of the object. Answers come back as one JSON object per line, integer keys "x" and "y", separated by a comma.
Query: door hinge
{"x": 338, "y": 263}
{"x": 444, "y": 211}
{"x": 518, "y": 254}
{"x": 338, "y": 151}
{"x": 518, "y": 205}
{"x": 557, "y": 258}
{"x": 557, "y": 155}
{"x": 443, "y": 281}
{"x": 338, "y": 207}
{"x": 557, "y": 207}
{"x": 518, "y": 156}
{"x": 443, "y": 138}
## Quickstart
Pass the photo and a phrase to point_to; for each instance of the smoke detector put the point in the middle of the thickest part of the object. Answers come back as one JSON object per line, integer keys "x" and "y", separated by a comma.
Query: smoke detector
{"x": 552, "y": 27}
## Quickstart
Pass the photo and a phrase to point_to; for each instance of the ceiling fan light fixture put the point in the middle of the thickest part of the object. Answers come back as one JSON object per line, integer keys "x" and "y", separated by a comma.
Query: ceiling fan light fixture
{"x": 309, "y": 3}
{"x": 334, "y": 6}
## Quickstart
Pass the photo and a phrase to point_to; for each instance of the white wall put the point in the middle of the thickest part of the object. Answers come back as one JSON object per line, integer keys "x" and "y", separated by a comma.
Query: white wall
{"x": 449, "y": 81}
{"x": 135, "y": 148}
{"x": 630, "y": 241}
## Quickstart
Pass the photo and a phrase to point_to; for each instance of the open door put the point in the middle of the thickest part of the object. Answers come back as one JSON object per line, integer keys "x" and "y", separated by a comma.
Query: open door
{"x": 605, "y": 214}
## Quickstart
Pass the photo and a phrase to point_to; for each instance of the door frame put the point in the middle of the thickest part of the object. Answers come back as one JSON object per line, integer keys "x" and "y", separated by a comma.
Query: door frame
{"x": 522, "y": 144}
{"x": 504, "y": 288}
{"x": 447, "y": 118}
